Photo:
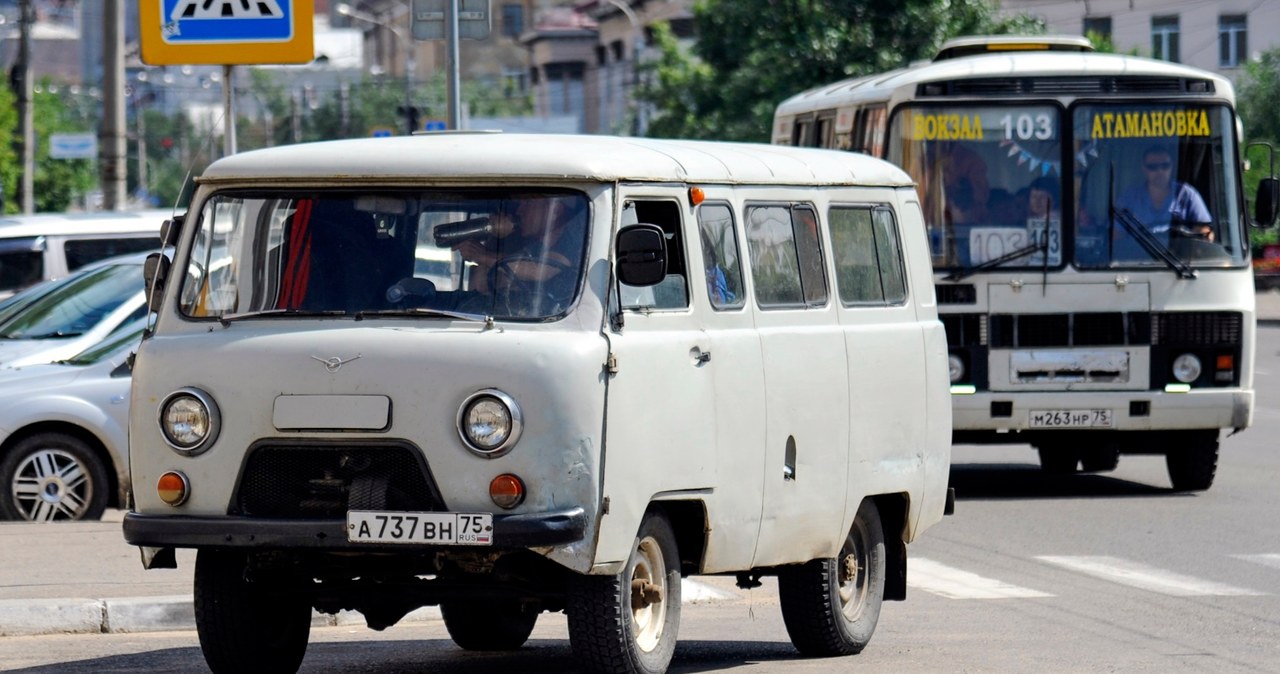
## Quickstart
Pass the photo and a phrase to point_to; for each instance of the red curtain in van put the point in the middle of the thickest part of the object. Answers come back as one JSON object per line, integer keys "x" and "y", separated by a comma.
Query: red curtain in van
{"x": 293, "y": 284}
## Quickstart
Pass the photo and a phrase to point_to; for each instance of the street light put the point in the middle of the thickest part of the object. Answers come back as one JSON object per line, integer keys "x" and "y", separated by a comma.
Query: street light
{"x": 406, "y": 46}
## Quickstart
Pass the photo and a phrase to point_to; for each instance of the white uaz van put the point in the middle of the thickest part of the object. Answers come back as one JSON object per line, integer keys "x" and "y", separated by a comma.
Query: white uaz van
{"x": 510, "y": 374}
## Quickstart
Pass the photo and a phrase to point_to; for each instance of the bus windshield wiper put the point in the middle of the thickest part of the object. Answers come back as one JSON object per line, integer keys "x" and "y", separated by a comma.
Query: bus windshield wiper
{"x": 966, "y": 272}
{"x": 1150, "y": 243}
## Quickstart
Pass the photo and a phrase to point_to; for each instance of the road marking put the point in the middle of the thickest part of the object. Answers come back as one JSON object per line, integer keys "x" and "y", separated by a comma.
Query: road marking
{"x": 1141, "y": 576}
{"x": 939, "y": 579}
{"x": 1266, "y": 560}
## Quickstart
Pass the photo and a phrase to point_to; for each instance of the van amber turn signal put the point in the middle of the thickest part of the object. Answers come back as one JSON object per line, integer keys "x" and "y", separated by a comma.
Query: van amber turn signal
{"x": 173, "y": 488}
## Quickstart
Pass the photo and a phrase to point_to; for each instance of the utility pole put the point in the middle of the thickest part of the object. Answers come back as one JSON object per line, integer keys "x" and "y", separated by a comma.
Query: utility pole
{"x": 112, "y": 170}
{"x": 26, "y": 118}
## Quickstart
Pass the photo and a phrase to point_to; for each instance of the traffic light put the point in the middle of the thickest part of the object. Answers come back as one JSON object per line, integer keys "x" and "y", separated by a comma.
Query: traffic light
{"x": 410, "y": 113}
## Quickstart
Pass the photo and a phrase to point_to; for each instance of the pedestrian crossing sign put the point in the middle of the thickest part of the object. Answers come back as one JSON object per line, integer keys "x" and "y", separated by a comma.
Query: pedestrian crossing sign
{"x": 226, "y": 32}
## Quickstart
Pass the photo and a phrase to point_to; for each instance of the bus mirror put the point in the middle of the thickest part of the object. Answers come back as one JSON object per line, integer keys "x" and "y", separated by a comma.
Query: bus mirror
{"x": 154, "y": 273}
{"x": 641, "y": 254}
{"x": 1267, "y": 202}
{"x": 171, "y": 230}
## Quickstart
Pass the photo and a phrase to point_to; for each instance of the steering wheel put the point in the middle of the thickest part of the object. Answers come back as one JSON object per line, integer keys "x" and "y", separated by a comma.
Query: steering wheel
{"x": 521, "y": 296}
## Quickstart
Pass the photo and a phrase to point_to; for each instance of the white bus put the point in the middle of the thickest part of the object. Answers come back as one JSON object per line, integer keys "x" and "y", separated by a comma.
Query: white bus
{"x": 1089, "y": 236}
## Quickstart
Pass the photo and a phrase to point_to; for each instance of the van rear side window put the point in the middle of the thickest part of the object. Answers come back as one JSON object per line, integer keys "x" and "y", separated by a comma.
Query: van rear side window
{"x": 786, "y": 256}
{"x": 868, "y": 255}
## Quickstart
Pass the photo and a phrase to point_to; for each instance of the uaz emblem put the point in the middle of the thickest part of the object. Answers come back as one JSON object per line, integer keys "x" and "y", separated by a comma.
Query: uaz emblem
{"x": 332, "y": 364}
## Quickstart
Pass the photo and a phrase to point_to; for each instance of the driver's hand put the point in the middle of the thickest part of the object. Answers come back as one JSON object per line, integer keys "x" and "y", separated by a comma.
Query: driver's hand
{"x": 472, "y": 250}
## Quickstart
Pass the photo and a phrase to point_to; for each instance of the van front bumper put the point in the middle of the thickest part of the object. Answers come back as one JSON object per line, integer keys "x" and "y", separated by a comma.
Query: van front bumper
{"x": 531, "y": 530}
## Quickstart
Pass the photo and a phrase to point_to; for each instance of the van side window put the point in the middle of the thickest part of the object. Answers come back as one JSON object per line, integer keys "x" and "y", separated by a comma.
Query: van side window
{"x": 673, "y": 291}
{"x": 867, "y": 255}
{"x": 720, "y": 256}
{"x": 786, "y": 256}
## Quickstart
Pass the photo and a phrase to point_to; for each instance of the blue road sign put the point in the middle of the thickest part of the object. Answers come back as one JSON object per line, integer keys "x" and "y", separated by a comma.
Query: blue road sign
{"x": 226, "y": 32}
{"x": 435, "y": 125}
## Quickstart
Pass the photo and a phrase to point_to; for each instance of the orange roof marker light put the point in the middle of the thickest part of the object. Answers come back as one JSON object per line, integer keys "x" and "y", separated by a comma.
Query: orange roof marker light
{"x": 696, "y": 195}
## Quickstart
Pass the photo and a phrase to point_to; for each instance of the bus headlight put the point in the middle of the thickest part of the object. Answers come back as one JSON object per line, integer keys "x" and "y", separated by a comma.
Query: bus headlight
{"x": 955, "y": 365}
{"x": 189, "y": 420}
{"x": 489, "y": 423}
{"x": 1186, "y": 368}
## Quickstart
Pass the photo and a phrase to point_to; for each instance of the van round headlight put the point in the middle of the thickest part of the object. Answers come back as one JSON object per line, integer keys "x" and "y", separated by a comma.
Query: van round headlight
{"x": 189, "y": 420}
{"x": 489, "y": 422}
{"x": 1186, "y": 368}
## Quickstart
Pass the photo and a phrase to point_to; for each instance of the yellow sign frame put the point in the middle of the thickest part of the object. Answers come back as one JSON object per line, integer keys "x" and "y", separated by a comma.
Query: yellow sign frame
{"x": 157, "y": 51}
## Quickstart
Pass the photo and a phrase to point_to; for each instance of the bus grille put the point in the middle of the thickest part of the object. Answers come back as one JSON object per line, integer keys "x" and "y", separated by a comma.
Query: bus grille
{"x": 960, "y": 293}
{"x": 1075, "y": 86}
{"x": 1199, "y": 328}
{"x": 964, "y": 329}
{"x": 1013, "y": 331}
{"x": 304, "y": 482}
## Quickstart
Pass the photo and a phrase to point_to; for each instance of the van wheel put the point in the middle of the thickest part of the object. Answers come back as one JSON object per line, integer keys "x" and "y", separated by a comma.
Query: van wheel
{"x": 488, "y": 625}
{"x": 246, "y": 626}
{"x": 831, "y": 606}
{"x": 1194, "y": 463}
{"x": 53, "y": 476}
{"x": 1058, "y": 459}
{"x": 628, "y": 623}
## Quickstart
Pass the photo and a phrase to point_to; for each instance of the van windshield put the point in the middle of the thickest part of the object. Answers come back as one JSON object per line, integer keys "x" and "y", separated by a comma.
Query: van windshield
{"x": 506, "y": 254}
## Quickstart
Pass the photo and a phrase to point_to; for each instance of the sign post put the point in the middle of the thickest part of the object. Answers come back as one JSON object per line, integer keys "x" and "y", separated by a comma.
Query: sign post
{"x": 226, "y": 33}
{"x": 451, "y": 20}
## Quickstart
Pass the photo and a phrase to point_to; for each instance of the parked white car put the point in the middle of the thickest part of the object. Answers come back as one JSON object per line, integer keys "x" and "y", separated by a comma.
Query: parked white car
{"x": 64, "y": 433}
{"x": 71, "y": 314}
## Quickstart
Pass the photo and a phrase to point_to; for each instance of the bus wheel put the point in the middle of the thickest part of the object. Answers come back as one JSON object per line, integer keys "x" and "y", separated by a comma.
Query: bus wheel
{"x": 1101, "y": 459}
{"x": 488, "y": 625}
{"x": 1058, "y": 459}
{"x": 246, "y": 626}
{"x": 1193, "y": 464}
{"x": 628, "y": 623}
{"x": 831, "y": 606}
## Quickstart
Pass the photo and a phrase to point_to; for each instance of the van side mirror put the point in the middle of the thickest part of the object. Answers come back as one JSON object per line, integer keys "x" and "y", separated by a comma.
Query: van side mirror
{"x": 171, "y": 230}
{"x": 1267, "y": 202}
{"x": 642, "y": 255}
{"x": 155, "y": 271}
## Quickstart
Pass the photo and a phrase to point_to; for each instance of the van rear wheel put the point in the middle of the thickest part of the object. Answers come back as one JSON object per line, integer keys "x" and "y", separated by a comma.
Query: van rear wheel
{"x": 628, "y": 623}
{"x": 831, "y": 606}
{"x": 488, "y": 625}
{"x": 246, "y": 626}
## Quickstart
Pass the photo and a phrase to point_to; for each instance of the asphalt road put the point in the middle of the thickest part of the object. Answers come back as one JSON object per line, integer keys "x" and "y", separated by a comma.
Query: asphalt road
{"x": 1092, "y": 573}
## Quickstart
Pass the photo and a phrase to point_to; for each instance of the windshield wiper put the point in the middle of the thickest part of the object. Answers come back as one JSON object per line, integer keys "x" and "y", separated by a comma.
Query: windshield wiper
{"x": 966, "y": 272}
{"x": 225, "y": 319}
{"x": 427, "y": 311}
{"x": 1150, "y": 243}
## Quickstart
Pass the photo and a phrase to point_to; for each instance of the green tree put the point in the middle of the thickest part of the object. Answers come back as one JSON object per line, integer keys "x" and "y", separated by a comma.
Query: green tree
{"x": 59, "y": 183}
{"x": 10, "y": 170}
{"x": 1258, "y": 102}
{"x": 752, "y": 54}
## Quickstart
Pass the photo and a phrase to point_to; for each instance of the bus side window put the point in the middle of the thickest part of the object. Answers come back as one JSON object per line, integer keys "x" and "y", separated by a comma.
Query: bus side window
{"x": 868, "y": 256}
{"x": 868, "y": 130}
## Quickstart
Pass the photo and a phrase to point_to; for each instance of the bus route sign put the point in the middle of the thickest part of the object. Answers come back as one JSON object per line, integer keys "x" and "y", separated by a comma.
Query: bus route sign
{"x": 226, "y": 32}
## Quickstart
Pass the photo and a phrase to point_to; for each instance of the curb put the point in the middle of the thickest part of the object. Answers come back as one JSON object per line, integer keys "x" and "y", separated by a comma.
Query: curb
{"x": 30, "y": 617}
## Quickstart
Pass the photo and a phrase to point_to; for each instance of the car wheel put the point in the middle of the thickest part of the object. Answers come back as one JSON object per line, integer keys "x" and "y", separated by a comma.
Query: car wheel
{"x": 831, "y": 606}
{"x": 53, "y": 476}
{"x": 488, "y": 625}
{"x": 246, "y": 626}
{"x": 627, "y": 623}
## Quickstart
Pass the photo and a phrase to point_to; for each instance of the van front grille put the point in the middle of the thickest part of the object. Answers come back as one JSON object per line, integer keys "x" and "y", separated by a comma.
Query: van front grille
{"x": 324, "y": 481}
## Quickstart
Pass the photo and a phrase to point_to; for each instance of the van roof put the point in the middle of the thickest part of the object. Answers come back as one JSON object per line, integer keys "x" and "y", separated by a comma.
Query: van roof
{"x": 544, "y": 157}
{"x": 65, "y": 224}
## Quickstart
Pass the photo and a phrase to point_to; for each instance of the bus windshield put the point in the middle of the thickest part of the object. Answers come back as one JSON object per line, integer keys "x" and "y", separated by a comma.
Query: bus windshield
{"x": 1155, "y": 180}
{"x": 990, "y": 181}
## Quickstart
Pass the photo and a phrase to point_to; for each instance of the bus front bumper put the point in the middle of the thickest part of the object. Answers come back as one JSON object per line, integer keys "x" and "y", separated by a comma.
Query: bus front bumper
{"x": 1129, "y": 410}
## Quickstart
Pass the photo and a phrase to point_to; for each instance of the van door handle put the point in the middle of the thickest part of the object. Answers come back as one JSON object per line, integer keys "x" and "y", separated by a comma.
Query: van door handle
{"x": 703, "y": 357}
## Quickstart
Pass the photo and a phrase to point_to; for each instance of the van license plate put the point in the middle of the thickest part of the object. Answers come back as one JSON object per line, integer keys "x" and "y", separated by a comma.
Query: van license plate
{"x": 371, "y": 526}
{"x": 1071, "y": 418}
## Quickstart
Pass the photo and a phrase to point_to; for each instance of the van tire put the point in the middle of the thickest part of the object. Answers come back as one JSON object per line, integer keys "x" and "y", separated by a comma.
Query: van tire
{"x": 487, "y": 624}
{"x": 831, "y": 606}
{"x": 1194, "y": 463}
{"x": 57, "y": 465}
{"x": 246, "y": 626}
{"x": 612, "y": 629}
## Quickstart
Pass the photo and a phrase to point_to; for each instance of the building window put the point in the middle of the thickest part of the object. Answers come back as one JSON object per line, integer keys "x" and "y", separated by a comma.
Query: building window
{"x": 512, "y": 20}
{"x": 1098, "y": 25}
{"x": 1164, "y": 38}
{"x": 1233, "y": 40}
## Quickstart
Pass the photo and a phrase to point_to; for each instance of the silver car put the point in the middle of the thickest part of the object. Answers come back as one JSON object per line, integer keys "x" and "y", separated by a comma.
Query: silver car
{"x": 64, "y": 433}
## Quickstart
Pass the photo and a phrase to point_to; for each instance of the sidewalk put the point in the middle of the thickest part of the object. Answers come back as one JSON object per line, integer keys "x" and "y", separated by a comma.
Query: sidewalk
{"x": 1268, "y": 307}
{"x": 81, "y": 577}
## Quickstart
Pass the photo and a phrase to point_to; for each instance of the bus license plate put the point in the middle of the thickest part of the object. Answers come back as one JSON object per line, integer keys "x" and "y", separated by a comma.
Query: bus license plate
{"x": 1071, "y": 418}
{"x": 370, "y": 526}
